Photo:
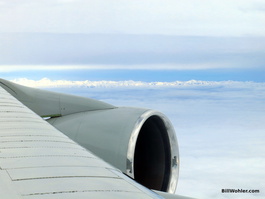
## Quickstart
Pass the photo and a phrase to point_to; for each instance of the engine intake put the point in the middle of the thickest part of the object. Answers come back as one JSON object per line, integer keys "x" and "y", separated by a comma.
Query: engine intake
{"x": 152, "y": 155}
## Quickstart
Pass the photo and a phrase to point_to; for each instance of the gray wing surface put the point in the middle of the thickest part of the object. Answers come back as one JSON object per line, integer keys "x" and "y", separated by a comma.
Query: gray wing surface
{"x": 38, "y": 161}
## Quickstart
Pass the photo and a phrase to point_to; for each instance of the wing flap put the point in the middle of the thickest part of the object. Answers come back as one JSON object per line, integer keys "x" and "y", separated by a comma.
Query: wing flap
{"x": 112, "y": 194}
{"x": 59, "y": 172}
{"x": 7, "y": 187}
{"x": 65, "y": 185}
{"x": 52, "y": 161}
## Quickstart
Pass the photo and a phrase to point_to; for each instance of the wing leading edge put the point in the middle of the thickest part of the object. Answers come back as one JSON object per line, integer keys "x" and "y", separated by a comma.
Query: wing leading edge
{"x": 38, "y": 161}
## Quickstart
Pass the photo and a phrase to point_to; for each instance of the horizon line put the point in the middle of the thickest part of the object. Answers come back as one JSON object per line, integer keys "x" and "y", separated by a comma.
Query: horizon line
{"x": 46, "y": 82}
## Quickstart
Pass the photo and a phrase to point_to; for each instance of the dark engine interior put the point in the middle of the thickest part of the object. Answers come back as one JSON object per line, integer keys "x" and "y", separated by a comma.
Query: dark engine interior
{"x": 152, "y": 161}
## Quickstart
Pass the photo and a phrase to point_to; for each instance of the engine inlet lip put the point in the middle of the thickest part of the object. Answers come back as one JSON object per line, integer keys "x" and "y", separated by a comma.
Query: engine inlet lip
{"x": 174, "y": 168}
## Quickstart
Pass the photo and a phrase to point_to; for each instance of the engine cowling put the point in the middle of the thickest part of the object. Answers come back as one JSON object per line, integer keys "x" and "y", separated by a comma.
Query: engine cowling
{"x": 140, "y": 142}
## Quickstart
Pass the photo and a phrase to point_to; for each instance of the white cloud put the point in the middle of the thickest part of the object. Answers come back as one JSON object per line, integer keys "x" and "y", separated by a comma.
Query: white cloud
{"x": 20, "y": 51}
{"x": 45, "y": 82}
{"x": 219, "y": 125}
{"x": 200, "y": 66}
{"x": 12, "y": 68}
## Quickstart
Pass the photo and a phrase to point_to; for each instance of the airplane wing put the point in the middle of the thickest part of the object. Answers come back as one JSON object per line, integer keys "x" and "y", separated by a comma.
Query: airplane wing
{"x": 39, "y": 161}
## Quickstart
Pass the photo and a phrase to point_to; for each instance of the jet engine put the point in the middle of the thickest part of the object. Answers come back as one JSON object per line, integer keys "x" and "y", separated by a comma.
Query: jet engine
{"x": 140, "y": 142}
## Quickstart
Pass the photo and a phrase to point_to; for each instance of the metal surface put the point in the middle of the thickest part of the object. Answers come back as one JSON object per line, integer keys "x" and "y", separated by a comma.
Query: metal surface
{"x": 104, "y": 132}
{"x": 113, "y": 135}
{"x": 38, "y": 161}
{"x": 51, "y": 104}
{"x": 172, "y": 196}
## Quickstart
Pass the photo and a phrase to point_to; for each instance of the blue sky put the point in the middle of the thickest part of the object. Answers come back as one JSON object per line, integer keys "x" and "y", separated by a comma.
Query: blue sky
{"x": 141, "y": 75}
{"x": 151, "y": 40}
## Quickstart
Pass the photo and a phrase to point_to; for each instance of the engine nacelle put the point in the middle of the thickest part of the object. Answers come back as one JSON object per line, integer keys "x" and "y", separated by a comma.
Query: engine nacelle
{"x": 140, "y": 142}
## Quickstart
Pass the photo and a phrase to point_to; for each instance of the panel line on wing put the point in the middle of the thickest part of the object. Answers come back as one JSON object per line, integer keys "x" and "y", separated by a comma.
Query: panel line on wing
{"x": 30, "y": 135}
{"x": 44, "y": 147}
{"x": 64, "y": 166}
{"x": 78, "y": 191}
{"x": 6, "y": 141}
{"x": 45, "y": 156}
{"x": 56, "y": 177}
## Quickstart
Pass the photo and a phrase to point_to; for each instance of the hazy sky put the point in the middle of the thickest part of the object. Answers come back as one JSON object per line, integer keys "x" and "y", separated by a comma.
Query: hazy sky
{"x": 194, "y": 39}
{"x": 170, "y": 17}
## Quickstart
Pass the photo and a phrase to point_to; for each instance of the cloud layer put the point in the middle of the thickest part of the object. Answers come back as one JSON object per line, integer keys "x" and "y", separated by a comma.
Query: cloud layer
{"x": 47, "y": 83}
{"x": 219, "y": 125}
{"x": 122, "y": 51}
